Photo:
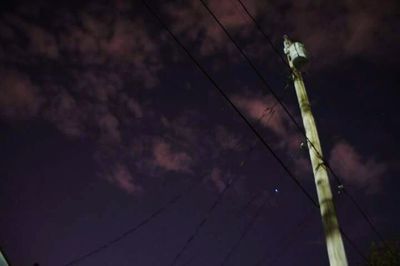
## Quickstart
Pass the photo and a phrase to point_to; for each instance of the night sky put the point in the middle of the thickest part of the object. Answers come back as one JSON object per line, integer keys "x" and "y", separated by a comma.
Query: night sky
{"x": 104, "y": 119}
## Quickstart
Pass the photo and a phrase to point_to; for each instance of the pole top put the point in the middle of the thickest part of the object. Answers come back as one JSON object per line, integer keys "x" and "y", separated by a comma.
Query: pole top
{"x": 295, "y": 51}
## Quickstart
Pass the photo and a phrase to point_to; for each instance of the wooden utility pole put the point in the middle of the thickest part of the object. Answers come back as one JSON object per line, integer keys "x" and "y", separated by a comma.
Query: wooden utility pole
{"x": 3, "y": 261}
{"x": 297, "y": 57}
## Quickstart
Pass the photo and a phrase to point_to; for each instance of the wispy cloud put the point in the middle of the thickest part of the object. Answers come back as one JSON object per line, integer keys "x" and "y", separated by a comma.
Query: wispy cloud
{"x": 169, "y": 159}
{"x": 93, "y": 68}
{"x": 192, "y": 22}
{"x": 122, "y": 177}
{"x": 66, "y": 115}
{"x": 227, "y": 140}
{"x": 19, "y": 97}
{"x": 217, "y": 179}
{"x": 109, "y": 126}
{"x": 364, "y": 173}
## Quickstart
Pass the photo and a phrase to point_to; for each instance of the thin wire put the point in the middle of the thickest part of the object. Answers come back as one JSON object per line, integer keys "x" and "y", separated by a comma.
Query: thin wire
{"x": 265, "y": 35}
{"x": 223, "y": 94}
{"x": 220, "y": 197}
{"x": 287, "y": 240}
{"x": 154, "y": 214}
{"x": 353, "y": 244}
{"x": 204, "y": 220}
{"x": 260, "y": 76}
{"x": 266, "y": 84}
{"x": 267, "y": 111}
{"x": 255, "y": 69}
{"x": 338, "y": 180}
{"x": 263, "y": 80}
{"x": 249, "y": 202}
{"x": 132, "y": 230}
{"x": 170, "y": 202}
{"x": 245, "y": 231}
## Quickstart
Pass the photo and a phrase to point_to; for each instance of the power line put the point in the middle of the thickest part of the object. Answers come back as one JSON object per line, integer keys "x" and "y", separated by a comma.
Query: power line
{"x": 354, "y": 246}
{"x": 223, "y": 94}
{"x": 287, "y": 241}
{"x": 255, "y": 69}
{"x": 338, "y": 180}
{"x": 245, "y": 231}
{"x": 164, "y": 207}
{"x": 266, "y": 84}
{"x": 204, "y": 220}
{"x": 231, "y": 181}
{"x": 135, "y": 228}
{"x": 265, "y": 35}
{"x": 249, "y": 202}
{"x": 260, "y": 76}
{"x": 290, "y": 238}
{"x": 266, "y": 111}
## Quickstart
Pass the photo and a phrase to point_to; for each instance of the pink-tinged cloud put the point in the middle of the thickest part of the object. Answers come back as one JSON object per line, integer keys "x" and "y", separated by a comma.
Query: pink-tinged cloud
{"x": 122, "y": 178}
{"x": 194, "y": 23}
{"x": 67, "y": 115}
{"x": 19, "y": 98}
{"x": 101, "y": 88}
{"x": 217, "y": 179}
{"x": 261, "y": 108}
{"x": 131, "y": 43}
{"x": 332, "y": 33}
{"x": 109, "y": 40}
{"x": 364, "y": 173}
{"x": 339, "y": 30}
{"x": 134, "y": 107}
{"x": 169, "y": 159}
{"x": 272, "y": 116}
{"x": 183, "y": 130}
{"x": 109, "y": 127}
{"x": 40, "y": 41}
{"x": 227, "y": 140}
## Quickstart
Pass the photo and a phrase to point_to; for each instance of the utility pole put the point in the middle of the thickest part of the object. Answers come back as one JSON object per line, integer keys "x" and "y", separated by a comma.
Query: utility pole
{"x": 3, "y": 261}
{"x": 297, "y": 57}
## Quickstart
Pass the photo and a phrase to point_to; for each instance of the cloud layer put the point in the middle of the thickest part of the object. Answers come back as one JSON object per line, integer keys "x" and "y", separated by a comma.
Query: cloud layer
{"x": 364, "y": 173}
{"x": 89, "y": 71}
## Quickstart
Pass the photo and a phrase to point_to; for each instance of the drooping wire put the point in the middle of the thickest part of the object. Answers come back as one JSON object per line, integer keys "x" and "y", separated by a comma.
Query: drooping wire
{"x": 200, "y": 67}
{"x": 266, "y": 84}
{"x": 338, "y": 180}
{"x": 156, "y": 213}
{"x": 247, "y": 122}
{"x": 204, "y": 220}
{"x": 135, "y": 228}
{"x": 286, "y": 241}
{"x": 235, "y": 108}
{"x": 221, "y": 195}
{"x": 265, "y": 35}
{"x": 261, "y": 77}
{"x": 245, "y": 231}
{"x": 267, "y": 111}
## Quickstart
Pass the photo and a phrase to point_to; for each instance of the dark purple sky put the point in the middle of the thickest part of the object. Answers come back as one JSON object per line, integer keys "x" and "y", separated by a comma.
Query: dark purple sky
{"x": 103, "y": 119}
